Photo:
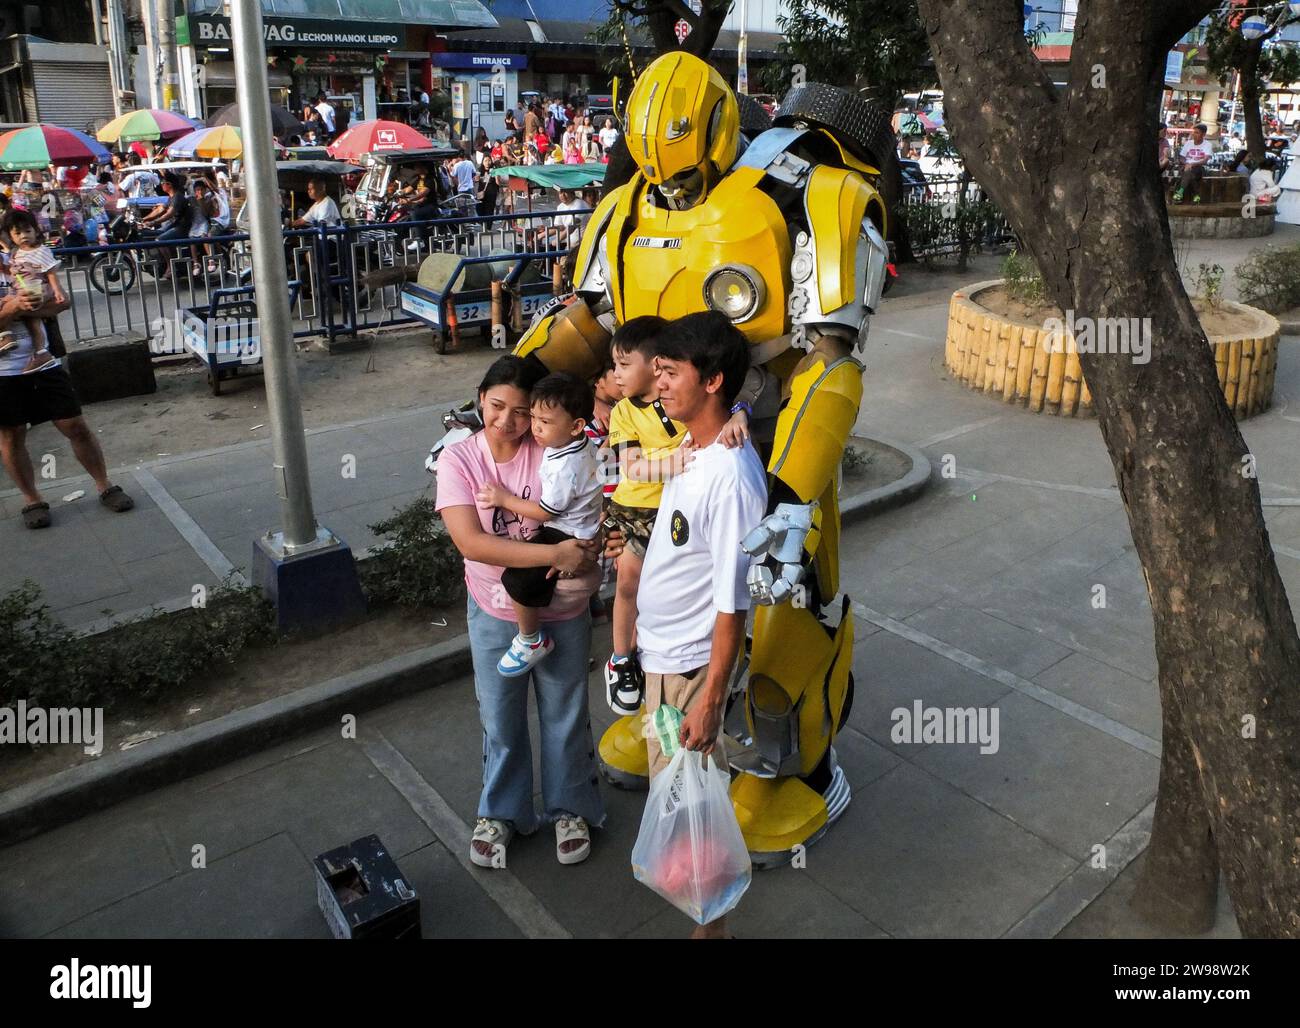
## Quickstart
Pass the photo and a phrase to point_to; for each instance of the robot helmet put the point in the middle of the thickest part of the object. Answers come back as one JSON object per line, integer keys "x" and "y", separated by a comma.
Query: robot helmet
{"x": 683, "y": 122}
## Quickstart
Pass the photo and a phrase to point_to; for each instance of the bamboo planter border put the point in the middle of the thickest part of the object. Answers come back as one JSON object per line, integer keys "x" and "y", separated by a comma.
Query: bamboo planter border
{"x": 1010, "y": 359}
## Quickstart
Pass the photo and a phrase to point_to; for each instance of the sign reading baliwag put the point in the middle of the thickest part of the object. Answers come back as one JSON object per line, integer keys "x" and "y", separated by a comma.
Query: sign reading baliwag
{"x": 213, "y": 30}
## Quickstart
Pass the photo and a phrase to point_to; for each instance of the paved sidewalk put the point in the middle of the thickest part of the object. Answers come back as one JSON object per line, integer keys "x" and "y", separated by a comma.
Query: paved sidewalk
{"x": 978, "y": 594}
{"x": 198, "y": 514}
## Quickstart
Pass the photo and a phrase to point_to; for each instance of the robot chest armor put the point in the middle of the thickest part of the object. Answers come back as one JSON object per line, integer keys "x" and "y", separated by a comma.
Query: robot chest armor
{"x": 732, "y": 251}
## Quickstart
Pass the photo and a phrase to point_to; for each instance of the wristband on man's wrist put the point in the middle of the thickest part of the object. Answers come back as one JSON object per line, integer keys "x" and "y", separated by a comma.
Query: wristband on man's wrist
{"x": 741, "y": 405}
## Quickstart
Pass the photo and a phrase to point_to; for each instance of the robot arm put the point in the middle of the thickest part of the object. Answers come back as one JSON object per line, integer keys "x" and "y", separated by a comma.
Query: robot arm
{"x": 836, "y": 287}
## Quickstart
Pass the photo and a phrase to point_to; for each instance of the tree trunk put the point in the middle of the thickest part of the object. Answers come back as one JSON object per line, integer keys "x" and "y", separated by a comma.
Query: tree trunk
{"x": 1180, "y": 878}
{"x": 1075, "y": 172}
{"x": 1250, "y": 105}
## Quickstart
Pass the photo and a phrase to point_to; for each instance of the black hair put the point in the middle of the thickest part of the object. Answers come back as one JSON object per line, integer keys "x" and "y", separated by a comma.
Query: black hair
{"x": 713, "y": 345}
{"x": 16, "y": 217}
{"x": 521, "y": 372}
{"x": 568, "y": 392}
{"x": 639, "y": 335}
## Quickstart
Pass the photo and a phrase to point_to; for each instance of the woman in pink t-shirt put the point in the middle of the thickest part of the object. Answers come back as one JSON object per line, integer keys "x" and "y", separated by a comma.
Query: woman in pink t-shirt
{"x": 492, "y": 539}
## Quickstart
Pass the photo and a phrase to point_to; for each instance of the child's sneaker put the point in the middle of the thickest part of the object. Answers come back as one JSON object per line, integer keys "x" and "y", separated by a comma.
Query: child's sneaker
{"x": 7, "y": 341}
{"x": 624, "y": 685}
{"x": 523, "y": 655}
{"x": 38, "y": 361}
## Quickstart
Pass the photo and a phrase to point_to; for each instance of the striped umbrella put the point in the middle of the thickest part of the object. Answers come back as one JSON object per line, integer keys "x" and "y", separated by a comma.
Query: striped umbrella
{"x": 39, "y": 146}
{"x": 225, "y": 142}
{"x": 148, "y": 124}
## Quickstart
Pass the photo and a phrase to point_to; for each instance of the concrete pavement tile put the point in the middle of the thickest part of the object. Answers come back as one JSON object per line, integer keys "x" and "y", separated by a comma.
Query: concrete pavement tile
{"x": 781, "y": 903}
{"x": 217, "y": 473}
{"x": 136, "y": 535}
{"x": 76, "y": 576}
{"x": 225, "y": 513}
{"x": 898, "y": 594}
{"x": 1068, "y": 783}
{"x": 452, "y": 904}
{"x": 1130, "y": 701}
{"x": 862, "y": 759}
{"x": 322, "y": 799}
{"x": 1284, "y": 525}
{"x": 69, "y": 872}
{"x": 1124, "y": 572}
{"x": 1111, "y": 915}
{"x": 598, "y": 898}
{"x": 1001, "y": 644}
{"x": 1120, "y": 634}
{"x": 868, "y": 553}
{"x": 328, "y": 447}
{"x": 890, "y": 672}
{"x": 920, "y": 859}
{"x": 264, "y": 891}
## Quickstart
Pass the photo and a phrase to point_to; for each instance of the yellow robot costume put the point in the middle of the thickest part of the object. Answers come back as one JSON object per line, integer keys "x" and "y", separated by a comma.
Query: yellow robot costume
{"x": 785, "y": 235}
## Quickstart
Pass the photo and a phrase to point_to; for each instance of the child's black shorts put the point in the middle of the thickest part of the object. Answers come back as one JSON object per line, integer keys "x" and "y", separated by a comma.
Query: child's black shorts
{"x": 530, "y": 587}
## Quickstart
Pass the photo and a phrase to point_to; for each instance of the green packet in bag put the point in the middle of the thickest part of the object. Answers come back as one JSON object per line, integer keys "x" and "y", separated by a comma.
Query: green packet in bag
{"x": 667, "y": 721}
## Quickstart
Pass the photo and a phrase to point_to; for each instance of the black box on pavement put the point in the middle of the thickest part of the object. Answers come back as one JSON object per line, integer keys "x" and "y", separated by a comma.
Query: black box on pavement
{"x": 363, "y": 895}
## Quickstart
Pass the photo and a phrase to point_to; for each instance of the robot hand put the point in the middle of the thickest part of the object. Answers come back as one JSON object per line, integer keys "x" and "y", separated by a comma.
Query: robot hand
{"x": 781, "y": 538}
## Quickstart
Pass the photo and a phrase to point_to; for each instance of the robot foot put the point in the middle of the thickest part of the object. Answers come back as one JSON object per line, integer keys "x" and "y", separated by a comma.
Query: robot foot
{"x": 780, "y": 817}
{"x": 623, "y": 759}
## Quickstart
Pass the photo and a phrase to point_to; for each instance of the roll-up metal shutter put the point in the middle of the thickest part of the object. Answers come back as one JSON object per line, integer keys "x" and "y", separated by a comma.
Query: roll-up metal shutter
{"x": 75, "y": 95}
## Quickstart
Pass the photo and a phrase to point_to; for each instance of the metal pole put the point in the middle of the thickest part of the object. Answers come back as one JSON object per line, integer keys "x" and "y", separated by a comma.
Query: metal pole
{"x": 742, "y": 58}
{"x": 166, "y": 17}
{"x": 289, "y": 445}
{"x": 117, "y": 56}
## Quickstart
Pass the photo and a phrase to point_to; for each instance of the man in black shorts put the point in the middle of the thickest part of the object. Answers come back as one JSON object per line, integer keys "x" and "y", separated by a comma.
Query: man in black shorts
{"x": 31, "y": 399}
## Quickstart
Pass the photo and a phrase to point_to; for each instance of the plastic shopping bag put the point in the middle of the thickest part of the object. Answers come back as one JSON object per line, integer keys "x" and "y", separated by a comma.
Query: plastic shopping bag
{"x": 690, "y": 850}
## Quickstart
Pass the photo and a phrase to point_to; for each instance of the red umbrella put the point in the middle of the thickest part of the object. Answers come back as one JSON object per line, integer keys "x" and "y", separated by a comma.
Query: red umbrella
{"x": 374, "y": 137}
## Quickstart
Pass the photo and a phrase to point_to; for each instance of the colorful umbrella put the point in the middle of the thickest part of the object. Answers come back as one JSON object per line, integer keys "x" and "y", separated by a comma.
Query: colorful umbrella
{"x": 375, "y": 137}
{"x": 148, "y": 124}
{"x": 39, "y": 146}
{"x": 224, "y": 141}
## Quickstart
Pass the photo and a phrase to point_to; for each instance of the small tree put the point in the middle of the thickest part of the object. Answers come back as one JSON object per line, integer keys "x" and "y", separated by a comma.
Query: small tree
{"x": 1258, "y": 61}
{"x": 876, "y": 46}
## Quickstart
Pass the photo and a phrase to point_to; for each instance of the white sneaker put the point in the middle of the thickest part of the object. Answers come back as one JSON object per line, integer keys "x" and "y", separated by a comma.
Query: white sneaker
{"x": 523, "y": 656}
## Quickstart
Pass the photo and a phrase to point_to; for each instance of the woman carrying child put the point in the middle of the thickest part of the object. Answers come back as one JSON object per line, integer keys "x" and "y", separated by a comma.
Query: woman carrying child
{"x": 491, "y": 537}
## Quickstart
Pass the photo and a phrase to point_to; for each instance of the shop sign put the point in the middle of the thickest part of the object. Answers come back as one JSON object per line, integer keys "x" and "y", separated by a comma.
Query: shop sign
{"x": 481, "y": 62}
{"x": 203, "y": 30}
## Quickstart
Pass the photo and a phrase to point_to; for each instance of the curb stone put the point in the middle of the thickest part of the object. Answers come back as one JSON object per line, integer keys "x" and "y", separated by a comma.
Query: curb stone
{"x": 38, "y": 806}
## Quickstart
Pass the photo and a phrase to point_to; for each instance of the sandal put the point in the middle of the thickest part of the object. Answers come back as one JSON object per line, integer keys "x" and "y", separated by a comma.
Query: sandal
{"x": 115, "y": 500}
{"x": 37, "y": 515}
{"x": 496, "y": 835}
{"x": 570, "y": 829}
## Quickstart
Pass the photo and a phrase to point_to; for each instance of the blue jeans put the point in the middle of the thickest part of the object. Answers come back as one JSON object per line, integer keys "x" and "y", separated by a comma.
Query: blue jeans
{"x": 569, "y": 780}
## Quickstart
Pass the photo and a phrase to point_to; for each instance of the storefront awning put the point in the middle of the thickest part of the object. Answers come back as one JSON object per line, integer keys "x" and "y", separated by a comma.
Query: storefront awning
{"x": 449, "y": 14}
{"x": 543, "y": 24}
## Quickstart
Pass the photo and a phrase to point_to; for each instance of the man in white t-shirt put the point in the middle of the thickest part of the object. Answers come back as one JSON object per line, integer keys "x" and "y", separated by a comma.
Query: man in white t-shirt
{"x": 1195, "y": 152}
{"x": 323, "y": 212}
{"x": 326, "y": 111}
{"x": 693, "y": 599}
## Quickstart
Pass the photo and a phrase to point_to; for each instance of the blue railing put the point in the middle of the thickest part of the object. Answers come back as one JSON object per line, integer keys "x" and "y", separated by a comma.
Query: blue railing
{"x": 130, "y": 289}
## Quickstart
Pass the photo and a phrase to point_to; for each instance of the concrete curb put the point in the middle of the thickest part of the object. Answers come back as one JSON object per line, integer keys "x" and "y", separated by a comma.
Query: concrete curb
{"x": 41, "y": 805}
{"x": 68, "y": 795}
